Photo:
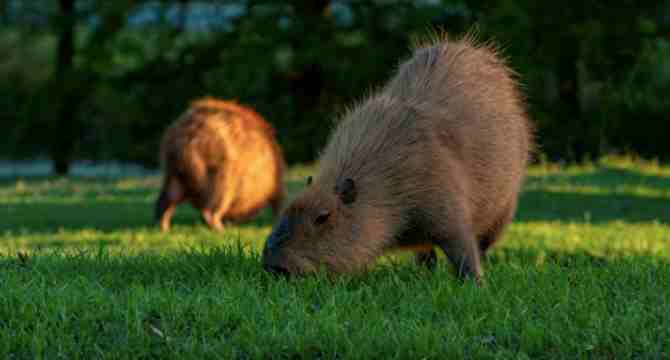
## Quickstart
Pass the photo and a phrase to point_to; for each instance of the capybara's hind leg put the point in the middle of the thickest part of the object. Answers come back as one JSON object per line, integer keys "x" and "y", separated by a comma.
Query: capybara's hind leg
{"x": 166, "y": 217}
{"x": 490, "y": 237}
{"x": 221, "y": 196}
{"x": 211, "y": 220}
{"x": 426, "y": 258}
{"x": 463, "y": 253}
{"x": 171, "y": 194}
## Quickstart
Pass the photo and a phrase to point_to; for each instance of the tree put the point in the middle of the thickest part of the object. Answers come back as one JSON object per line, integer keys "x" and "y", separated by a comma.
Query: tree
{"x": 62, "y": 147}
{"x": 578, "y": 44}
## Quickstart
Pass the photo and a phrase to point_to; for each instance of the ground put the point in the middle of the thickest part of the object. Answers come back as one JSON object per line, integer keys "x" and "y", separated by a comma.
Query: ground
{"x": 584, "y": 271}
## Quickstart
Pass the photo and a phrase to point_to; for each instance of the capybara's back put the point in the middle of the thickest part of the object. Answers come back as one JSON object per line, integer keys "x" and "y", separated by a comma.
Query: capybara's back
{"x": 474, "y": 107}
{"x": 436, "y": 158}
{"x": 221, "y": 157}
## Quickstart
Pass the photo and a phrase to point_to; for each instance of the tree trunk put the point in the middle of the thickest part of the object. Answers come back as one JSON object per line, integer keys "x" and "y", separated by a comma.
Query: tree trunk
{"x": 183, "y": 15}
{"x": 307, "y": 82}
{"x": 64, "y": 140}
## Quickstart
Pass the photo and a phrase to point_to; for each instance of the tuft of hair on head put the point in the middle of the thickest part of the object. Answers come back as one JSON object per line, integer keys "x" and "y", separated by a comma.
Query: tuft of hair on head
{"x": 472, "y": 37}
{"x": 433, "y": 36}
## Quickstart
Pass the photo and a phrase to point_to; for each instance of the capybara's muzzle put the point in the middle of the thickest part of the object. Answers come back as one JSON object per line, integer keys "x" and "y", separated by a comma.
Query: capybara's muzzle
{"x": 276, "y": 270}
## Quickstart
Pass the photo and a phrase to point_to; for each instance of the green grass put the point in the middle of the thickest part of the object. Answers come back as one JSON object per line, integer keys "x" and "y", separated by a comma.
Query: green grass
{"x": 584, "y": 272}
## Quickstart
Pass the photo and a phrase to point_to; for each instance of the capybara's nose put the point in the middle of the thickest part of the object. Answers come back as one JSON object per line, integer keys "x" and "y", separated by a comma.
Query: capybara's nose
{"x": 276, "y": 270}
{"x": 279, "y": 233}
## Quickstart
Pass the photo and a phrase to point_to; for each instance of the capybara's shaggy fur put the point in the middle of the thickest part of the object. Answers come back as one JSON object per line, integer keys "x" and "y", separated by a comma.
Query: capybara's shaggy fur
{"x": 222, "y": 158}
{"x": 436, "y": 158}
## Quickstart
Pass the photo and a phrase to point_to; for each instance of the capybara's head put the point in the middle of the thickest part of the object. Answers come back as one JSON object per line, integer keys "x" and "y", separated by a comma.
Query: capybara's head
{"x": 317, "y": 231}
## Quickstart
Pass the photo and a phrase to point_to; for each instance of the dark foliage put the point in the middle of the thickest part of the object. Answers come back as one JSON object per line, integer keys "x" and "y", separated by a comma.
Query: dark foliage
{"x": 102, "y": 79}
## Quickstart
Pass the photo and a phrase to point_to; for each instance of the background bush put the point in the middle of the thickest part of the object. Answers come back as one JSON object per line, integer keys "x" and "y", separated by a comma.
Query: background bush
{"x": 100, "y": 79}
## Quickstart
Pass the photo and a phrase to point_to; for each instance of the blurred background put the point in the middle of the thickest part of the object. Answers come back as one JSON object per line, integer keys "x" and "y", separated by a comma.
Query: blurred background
{"x": 99, "y": 80}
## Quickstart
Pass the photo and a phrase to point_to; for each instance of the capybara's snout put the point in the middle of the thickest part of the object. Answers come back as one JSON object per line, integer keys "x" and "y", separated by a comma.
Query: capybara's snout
{"x": 279, "y": 233}
{"x": 276, "y": 270}
{"x": 274, "y": 262}
{"x": 272, "y": 257}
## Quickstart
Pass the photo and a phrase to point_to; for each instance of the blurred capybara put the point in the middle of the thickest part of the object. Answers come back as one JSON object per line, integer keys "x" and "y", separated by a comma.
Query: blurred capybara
{"x": 437, "y": 157}
{"x": 221, "y": 157}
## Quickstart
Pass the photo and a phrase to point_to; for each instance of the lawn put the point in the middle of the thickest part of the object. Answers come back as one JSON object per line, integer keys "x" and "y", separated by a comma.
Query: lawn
{"x": 583, "y": 272}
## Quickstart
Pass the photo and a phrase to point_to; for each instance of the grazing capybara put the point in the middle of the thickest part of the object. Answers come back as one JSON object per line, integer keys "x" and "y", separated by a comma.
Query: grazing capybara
{"x": 437, "y": 157}
{"x": 221, "y": 157}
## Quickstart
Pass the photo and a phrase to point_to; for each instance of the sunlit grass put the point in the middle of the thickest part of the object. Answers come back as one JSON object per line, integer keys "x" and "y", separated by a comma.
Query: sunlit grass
{"x": 583, "y": 272}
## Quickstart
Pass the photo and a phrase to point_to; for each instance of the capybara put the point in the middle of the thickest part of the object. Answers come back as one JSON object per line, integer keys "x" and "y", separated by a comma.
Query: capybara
{"x": 221, "y": 157}
{"x": 436, "y": 157}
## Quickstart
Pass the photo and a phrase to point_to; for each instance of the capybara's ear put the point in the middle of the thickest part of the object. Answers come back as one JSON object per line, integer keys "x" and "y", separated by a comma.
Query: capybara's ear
{"x": 346, "y": 190}
{"x": 309, "y": 180}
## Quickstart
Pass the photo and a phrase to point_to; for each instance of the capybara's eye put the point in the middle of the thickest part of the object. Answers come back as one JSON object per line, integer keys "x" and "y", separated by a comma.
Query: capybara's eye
{"x": 322, "y": 218}
{"x": 309, "y": 180}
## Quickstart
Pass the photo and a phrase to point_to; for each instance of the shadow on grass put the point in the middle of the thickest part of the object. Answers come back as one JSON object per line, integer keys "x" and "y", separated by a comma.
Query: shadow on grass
{"x": 534, "y": 257}
{"x": 121, "y": 208}
{"x": 53, "y": 216}
{"x": 107, "y": 216}
{"x": 539, "y": 204}
{"x": 606, "y": 176}
{"x": 86, "y": 203}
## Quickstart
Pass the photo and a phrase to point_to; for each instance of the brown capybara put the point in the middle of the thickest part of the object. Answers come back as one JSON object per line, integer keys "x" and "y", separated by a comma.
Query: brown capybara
{"x": 221, "y": 157}
{"x": 437, "y": 157}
